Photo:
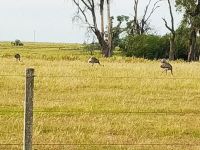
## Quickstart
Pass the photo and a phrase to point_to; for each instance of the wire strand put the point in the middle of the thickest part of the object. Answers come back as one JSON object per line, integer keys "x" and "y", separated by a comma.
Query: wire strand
{"x": 103, "y": 77}
{"x": 106, "y": 144}
{"x": 193, "y": 113}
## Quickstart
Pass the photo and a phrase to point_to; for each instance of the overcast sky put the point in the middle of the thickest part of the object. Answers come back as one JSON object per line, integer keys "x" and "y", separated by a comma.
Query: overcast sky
{"x": 52, "y": 19}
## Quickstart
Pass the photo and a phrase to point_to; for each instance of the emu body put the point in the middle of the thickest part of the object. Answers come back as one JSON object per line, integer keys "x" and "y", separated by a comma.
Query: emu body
{"x": 93, "y": 60}
{"x": 17, "y": 57}
{"x": 166, "y": 66}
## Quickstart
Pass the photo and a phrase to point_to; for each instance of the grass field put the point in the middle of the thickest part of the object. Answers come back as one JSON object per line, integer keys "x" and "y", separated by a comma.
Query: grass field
{"x": 127, "y": 103}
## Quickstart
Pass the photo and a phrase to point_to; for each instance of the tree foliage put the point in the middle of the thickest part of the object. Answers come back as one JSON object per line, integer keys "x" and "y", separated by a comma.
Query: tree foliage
{"x": 118, "y": 29}
{"x": 192, "y": 19}
{"x": 180, "y": 43}
{"x": 86, "y": 11}
{"x": 145, "y": 46}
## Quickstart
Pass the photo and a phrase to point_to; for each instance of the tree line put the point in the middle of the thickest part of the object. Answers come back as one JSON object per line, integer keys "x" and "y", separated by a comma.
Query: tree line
{"x": 138, "y": 41}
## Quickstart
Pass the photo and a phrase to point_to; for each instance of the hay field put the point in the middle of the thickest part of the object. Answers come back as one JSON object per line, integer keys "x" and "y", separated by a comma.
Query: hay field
{"x": 125, "y": 104}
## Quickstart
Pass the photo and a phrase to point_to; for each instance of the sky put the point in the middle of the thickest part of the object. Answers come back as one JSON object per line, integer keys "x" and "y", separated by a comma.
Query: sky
{"x": 51, "y": 20}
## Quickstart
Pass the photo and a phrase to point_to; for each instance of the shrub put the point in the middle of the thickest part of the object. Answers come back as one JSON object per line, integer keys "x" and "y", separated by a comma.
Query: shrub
{"x": 145, "y": 46}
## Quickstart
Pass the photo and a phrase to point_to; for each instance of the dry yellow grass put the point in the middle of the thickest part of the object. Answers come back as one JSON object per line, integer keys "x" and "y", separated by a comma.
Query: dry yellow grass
{"x": 75, "y": 103}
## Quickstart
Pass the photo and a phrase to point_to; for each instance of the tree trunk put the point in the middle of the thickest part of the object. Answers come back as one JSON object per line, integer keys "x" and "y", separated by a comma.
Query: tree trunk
{"x": 192, "y": 45}
{"x": 102, "y": 17}
{"x": 109, "y": 29}
{"x": 172, "y": 48}
{"x": 136, "y": 23}
{"x": 92, "y": 22}
{"x": 103, "y": 43}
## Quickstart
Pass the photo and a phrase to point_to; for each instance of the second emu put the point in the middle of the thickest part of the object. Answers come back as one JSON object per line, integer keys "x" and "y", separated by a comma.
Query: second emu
{"x": 17, "y": 57}
{"x": 166, "y": 66}
{"x": 93, "y": 60}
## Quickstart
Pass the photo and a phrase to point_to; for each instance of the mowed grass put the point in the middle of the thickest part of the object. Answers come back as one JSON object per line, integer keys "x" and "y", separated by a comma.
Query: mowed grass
{"x": 127, "y": 103}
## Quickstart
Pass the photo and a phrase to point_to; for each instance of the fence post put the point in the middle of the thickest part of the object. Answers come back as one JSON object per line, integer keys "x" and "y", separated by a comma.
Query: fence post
{"x": 28, "y": 109}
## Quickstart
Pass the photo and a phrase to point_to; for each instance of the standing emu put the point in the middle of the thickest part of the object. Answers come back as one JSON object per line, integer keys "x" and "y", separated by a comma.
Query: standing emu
{"x": 93, "y": 60}
{"x": 166, "y": 66}
{"x": 17, "y": 57}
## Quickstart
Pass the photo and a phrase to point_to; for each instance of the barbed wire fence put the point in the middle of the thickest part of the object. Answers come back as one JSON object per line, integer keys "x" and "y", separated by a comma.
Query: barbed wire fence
{"x": 30, "y": 111}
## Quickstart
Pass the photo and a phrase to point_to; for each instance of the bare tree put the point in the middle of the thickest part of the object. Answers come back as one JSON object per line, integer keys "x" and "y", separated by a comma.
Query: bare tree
{"x": 141, "y": 26}
{"x": 86, "y": 9}
{"x": 173, "y": 33}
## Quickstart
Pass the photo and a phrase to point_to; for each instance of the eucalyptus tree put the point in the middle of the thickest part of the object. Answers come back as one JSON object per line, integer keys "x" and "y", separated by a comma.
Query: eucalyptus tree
{"x": 87, "y": 12}
{"x": 109, "y": 28}
{"x": 192, "y": 19}
{"x": 118, "y": 29}
{"x": 141, "y": 26}
{"x": 102, "y": 17}
{"x": 173, "y": 33}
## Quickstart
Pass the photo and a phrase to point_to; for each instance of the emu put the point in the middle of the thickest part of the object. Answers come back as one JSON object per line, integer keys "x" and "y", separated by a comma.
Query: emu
{"x": 93, "y": 60}
{"x": 17, "y": 57}
{"x": 166, "y": 66}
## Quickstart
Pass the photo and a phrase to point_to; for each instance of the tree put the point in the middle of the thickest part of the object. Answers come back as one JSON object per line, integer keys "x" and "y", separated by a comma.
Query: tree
{"x": 136, "y": 26}
{"x": 182, "y": 33}
{"x": 141, "y": 26}
{"x": 173, "y": 33}
{"x": 192, "y": 18}
{"x": 196, "y": 11}
{"x": 102, "y": 17}
{"x": 86, "y": 12}
{"x": 144, "y": 46}
{"x": 109, "y": 29}
{"x": 117, "y": 30}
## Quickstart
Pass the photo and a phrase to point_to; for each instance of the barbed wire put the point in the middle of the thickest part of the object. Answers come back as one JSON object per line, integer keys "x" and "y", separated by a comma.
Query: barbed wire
{"x": 107, "y": 112}
{"x": 120, "y": 112}
{"x": 105, "y": 144}
{"x": 193, "y": 113}
{"x": 115, "y": 77}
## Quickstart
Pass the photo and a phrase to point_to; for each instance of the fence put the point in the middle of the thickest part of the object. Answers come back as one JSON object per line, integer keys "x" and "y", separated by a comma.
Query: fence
{"x": 94, "y": 112}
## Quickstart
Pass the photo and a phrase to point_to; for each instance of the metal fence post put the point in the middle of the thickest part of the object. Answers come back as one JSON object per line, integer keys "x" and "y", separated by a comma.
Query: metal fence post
{"x": 28, "y": 109}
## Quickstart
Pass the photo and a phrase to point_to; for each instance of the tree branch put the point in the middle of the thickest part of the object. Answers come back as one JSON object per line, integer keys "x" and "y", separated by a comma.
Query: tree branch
{"x": 83, "y": 13}
{"x": 89, "y": 7}
{"x": 153, "y": 9}
{"x": 146, "y": 9}
{"x": 170, "y": 29}
{"x": 171, "y": 14}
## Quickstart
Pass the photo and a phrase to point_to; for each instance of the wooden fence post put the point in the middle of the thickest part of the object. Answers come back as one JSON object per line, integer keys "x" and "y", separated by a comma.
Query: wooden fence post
{"x": 28, "y": 109}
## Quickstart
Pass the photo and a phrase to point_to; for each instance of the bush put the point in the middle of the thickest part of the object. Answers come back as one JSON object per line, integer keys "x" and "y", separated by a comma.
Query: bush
{"x": 145, "y": 46}
{"x": 182, "y": 41}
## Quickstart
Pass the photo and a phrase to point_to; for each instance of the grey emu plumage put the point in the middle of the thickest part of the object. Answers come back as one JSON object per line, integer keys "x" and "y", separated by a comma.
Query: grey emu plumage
{"x": 166, "y": 66}
{"x": 93, "y": 60}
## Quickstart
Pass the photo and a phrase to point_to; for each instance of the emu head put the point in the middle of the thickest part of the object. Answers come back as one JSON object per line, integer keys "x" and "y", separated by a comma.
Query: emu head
{"x": 163, "y": 60}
